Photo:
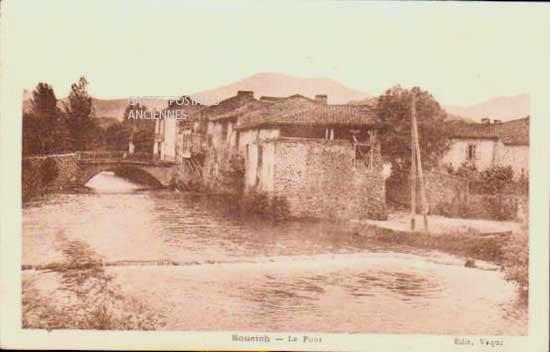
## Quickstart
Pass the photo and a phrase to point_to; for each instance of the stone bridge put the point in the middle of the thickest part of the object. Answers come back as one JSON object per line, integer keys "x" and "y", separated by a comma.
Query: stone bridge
{"x": 76, "y": 169}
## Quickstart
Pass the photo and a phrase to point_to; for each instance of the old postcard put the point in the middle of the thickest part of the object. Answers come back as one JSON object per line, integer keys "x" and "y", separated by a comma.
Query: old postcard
{"x": 246, "y": 175}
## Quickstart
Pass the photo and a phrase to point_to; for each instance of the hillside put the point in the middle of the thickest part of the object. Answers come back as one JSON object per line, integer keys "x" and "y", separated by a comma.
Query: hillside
{"x": 276, "y": 84}
{"x": 500, "y": 108}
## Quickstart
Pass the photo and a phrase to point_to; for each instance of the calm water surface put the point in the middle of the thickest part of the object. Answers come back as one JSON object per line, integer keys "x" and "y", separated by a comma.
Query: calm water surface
{"x": 260, "y": 276}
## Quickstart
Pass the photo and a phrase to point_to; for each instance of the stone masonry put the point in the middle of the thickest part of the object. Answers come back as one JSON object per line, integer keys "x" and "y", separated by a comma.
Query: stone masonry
{"x": 321, "y": 179}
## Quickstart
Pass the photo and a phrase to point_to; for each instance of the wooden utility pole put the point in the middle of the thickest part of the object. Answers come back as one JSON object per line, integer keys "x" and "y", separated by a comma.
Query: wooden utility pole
{"x": 419, "y": 166}
{"x": 413, "y": 169}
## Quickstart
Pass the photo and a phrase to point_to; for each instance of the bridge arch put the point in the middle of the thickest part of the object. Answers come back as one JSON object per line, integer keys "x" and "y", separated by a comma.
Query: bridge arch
{"x": 138, "y": 173}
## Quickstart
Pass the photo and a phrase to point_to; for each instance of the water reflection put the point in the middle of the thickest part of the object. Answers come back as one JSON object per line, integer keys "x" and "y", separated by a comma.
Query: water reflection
{"x": 108, "y": 182}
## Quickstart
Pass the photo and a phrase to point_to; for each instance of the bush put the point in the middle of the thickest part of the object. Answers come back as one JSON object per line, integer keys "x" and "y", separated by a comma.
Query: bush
{"x": 260, "y": 205}
{"x": 279, "y": 208}
{"x": 233, "y": 173}
{"x": 49, "y": 170}
{"x": 516, "y": 259}
{"x": 494, "y": 180}
{"x": 31, "y": 181}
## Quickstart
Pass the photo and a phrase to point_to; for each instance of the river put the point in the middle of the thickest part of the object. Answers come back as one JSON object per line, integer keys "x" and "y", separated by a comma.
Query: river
{"x": 260, "y": 276}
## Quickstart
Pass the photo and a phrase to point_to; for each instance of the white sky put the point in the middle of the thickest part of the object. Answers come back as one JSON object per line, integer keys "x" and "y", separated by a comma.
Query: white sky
{"x": 462, "y": 53}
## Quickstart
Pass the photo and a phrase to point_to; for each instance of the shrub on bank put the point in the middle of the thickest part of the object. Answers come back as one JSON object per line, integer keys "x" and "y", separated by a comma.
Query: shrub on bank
{"x": 260, "y": 205}
{"x": 516, "y": 259}
{"x": 49, "y": 170}
{"x": 468, "y": 244}
{"x": 31, "y": 181}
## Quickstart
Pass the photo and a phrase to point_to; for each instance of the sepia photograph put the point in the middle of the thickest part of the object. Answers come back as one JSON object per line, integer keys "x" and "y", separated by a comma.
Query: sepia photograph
{"x": 288, "y": 174}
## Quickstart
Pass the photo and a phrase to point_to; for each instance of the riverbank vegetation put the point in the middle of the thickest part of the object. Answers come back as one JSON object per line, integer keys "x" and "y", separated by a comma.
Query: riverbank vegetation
{"x": 469, "y": 244}
{"x": 494, "y": 193}
{"x": 516, "y": 258}
{"x": 508, "y": 250}
{"x": 85, "y": 297}
{"x": 36, "y": 179}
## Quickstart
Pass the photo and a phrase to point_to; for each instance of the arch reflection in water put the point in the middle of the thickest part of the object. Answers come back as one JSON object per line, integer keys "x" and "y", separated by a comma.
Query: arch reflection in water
{"x": 110, "y": 182}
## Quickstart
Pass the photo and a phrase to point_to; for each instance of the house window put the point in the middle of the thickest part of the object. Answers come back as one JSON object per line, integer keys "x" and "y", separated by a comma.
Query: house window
{"x": 471, "y": 152}
{"x": 260, "y": 155}
{"x": 224, "y": 131}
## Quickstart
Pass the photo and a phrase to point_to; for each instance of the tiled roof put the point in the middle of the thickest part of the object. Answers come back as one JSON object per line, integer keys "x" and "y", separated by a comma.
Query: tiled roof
{"x": 239, "y": 110}
{"x": 316, "y": 115}
{"x": 269, "y": 109}
{"x": 515, "y": 132}
{"x": 221, "y": 110}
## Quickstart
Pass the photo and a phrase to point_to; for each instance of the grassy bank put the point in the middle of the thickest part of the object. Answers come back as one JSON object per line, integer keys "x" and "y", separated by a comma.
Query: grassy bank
{"x": 79, "y": 294}
{"x": 471, "y": 244}
{"x": 508, "y": 250}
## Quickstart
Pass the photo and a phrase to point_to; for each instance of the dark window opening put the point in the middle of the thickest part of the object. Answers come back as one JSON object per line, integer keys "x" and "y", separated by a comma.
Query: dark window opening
{"x": 471, "y": 153}
{"x": 224, "y": 131}
{"x": 260, "y": 155}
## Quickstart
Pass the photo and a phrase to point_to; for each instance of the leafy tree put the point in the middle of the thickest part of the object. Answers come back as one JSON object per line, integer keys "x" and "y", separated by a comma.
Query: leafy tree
{"x": 80, "y": 117}
{"x": 137, "y": 123}
{"x": 140, "y": 129}
{"x": 394, "y": 108}
{"x": 116, "y": 136}
{"x": 44, "y": 130}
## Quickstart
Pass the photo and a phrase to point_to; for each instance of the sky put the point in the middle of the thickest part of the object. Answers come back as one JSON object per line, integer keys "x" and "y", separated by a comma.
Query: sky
{"x": 462, "y": 53}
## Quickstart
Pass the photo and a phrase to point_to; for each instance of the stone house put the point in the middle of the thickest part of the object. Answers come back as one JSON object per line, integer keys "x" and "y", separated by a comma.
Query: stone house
{"x": 324, "y": 159}
{"x": 224, "y": 143}
{"x": 489, "y": 144}
{"x": 168, "y": 132}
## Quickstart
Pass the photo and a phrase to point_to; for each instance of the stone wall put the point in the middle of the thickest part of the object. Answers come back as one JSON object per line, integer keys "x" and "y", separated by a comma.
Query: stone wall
{"x": 321, "y": 179}
{"x": 68, "y": 170}
{"x": 451, "y": 196}
{"x": 33, "y": 182}
{"x": 223, "y": 171}
{"x": 441, "y": 189}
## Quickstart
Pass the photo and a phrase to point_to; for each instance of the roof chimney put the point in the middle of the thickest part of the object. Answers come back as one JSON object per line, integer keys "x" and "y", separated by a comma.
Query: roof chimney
{"x": 321, "y": 98}
{"x": 245, "y": 93}
{"x": 485, "y": 121}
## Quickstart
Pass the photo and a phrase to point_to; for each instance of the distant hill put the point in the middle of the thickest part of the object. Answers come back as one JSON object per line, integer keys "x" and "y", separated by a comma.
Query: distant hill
{"x": 114, "y": 108}
{"x": 280, "y": 85}
{"x": 105, "y": 122}
{"x": 500, "y": 108}
{"x": 276, "y": 84}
